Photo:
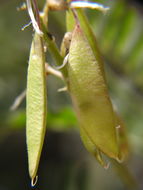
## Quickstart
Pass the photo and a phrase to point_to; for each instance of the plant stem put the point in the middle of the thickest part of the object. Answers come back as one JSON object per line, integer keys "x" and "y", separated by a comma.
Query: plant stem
{"x": 50, "y": 70}
{"x": 18, "y": 100}
{"x": 37, "y": 13}
{"x": 53, "y": 49}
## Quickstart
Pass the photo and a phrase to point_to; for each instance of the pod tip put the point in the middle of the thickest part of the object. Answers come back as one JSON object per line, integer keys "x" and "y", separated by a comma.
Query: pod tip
{"x": 107, "y": 166}
{"x": 34, "y": 181}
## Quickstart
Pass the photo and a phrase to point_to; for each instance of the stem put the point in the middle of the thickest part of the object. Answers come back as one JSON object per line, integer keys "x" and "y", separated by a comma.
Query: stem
{"x": 50, "y": 70}
{"x": 75, "y": 15}
{"x": 32, "y": 17}
{"x": 45, "y": 14}
{"x": 50, "y": 43}
{"x": 53, "y": 49}
{"x": 37, "y": 13}
{"x": 18, "y": 100}
{"x": 125, "y": 174}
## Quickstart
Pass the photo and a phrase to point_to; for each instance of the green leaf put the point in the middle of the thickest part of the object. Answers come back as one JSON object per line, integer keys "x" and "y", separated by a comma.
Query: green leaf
{"x": 65, "y": 119}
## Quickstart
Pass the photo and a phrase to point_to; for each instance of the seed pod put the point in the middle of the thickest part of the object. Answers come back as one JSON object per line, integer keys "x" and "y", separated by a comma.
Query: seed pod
{"x": 70, "y": 23}
{"x": 90, "y": 146}
{"x": 36, "y": 104}
{"x": 89, "y": 93}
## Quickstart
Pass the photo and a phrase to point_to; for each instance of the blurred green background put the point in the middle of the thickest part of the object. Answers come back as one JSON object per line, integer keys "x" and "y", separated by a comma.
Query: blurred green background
{"x": 65, "y": 164}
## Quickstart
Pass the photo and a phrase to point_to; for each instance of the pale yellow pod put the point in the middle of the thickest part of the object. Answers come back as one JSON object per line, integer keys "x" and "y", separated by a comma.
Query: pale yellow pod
{"x": 36, "y": 104}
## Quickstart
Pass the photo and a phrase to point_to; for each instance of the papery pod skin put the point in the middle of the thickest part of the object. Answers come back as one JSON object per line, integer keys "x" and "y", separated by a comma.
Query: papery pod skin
{"x": 89, "y": 93}
{"x": 70, "y": 23}
{"x": 90, "y": 146}
{"x": 36, "y": 104}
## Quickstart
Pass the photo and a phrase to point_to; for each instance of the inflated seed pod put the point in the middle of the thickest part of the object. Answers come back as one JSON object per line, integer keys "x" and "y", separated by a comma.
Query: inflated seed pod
{"x": 36, "y": 104}
{"x": 90, "y": 146}
{"x": 70, "y": 23}
{"x": 90, "y": 97}
{"x": 122, "y": 138}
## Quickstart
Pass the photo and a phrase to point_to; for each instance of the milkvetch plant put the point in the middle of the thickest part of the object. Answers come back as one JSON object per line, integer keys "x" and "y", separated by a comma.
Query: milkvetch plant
{"x": 82, "y": 71}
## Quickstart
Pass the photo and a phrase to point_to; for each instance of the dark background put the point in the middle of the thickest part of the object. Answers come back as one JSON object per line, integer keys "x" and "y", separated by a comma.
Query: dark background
{"x": 65, "y": 164}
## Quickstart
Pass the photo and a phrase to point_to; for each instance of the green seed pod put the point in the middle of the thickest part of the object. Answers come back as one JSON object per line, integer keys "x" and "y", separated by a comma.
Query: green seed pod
{"x": 90, "y": 146}
{"x": 89, "y": 93}
{"x": 36, "y": 104}
{"x": 65, "y": 45}
{"x": 70, "y": 23}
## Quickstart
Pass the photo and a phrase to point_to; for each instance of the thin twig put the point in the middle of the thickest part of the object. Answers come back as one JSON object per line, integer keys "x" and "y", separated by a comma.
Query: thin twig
{"x": 31, "y": 14}
{"x": 44, "y": 14}
{"x": 18, "y": 100}
{"x": 37, "y": 13}
{"x": 26, "y": 26}
{"x": 75, "y": 16}
{"x": 50, "y": 70}
{"x": 65, "y": 61}
{"x": 90, "y": 5}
